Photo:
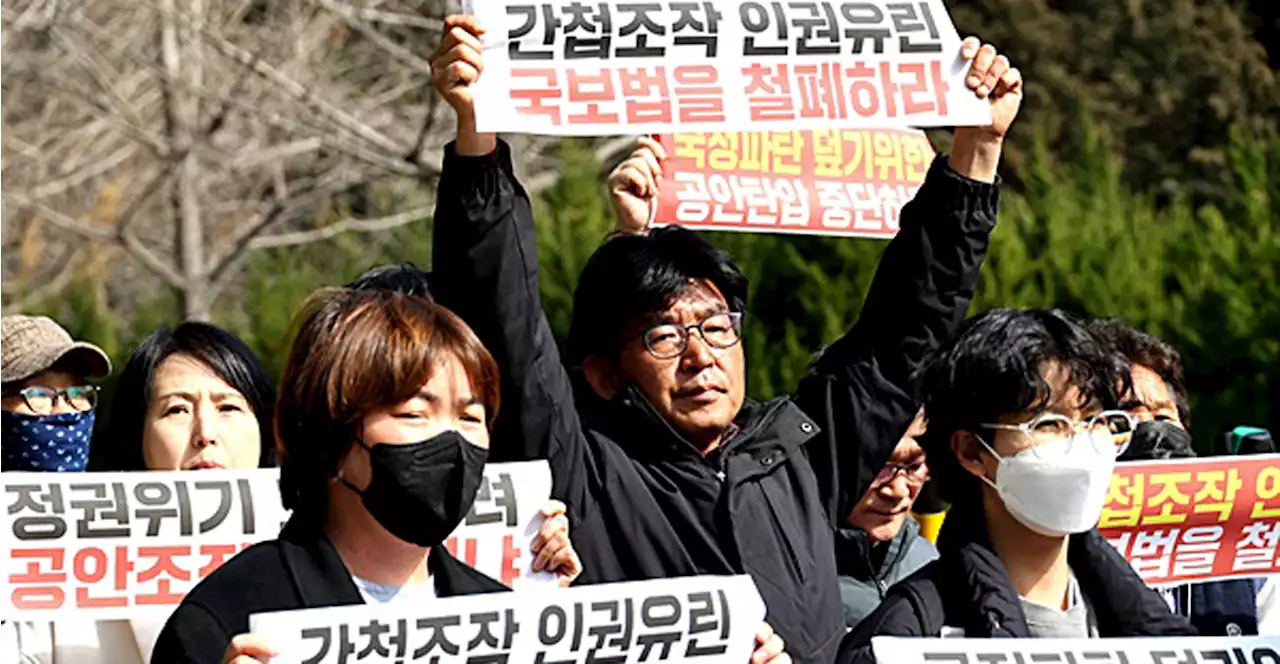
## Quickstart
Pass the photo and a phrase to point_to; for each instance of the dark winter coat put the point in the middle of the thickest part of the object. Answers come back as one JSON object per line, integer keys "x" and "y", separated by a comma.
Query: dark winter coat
{"x": 643, "y": 501}
{"x": 299, "y": 570}
{"x": 968, "y": 588}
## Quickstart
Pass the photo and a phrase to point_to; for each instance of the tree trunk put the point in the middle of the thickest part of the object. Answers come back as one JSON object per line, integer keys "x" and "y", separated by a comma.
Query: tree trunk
{"x": 181, "y": 53}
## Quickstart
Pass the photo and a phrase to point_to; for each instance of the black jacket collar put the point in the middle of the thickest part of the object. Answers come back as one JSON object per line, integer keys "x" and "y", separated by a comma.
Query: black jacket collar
{"x": 321, "y": 579}
{"x": 977, "y": 591}
{"x": 773, "y": 429}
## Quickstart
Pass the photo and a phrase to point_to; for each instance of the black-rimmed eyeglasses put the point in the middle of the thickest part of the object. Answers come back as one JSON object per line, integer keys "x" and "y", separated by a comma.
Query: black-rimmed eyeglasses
{"x": 670, "y": 340}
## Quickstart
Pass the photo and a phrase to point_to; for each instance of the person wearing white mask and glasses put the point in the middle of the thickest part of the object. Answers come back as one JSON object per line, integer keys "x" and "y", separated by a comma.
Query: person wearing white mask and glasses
{"x": 1023, "y": 436}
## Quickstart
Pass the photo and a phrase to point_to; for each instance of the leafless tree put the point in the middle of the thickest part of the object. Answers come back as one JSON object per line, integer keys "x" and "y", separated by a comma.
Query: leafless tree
{"x": 184, "y": 134}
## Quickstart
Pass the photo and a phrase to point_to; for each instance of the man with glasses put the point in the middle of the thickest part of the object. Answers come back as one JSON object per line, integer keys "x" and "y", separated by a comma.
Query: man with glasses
{"x": 665, "y": 466}
{"x": 48, "y": 405}
{"x": 880, "y": 543}
{"x": 1158, "y": 399}
{"x": 1023, "y": 436}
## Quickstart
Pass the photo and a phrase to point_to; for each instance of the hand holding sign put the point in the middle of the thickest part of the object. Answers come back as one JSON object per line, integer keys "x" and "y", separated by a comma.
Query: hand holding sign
{"x": 552, "y": 547}
{"x": 633, "y": 186}
{"x": 992, "y": 77}
{"x": 976, "y": 151}
{"x": 248, "y": 649}
{"x": 769, "y": 647}
{"x": 455, "y": 66}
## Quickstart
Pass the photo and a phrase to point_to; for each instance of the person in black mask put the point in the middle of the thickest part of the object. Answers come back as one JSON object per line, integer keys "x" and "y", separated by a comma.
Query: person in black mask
{"x": 382, "y": 425}
{"x": 1158, "y": 399}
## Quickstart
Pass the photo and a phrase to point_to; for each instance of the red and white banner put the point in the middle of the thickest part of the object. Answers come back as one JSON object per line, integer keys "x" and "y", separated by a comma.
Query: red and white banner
{"x": 1140, "y": 650}
{"x": 1188, "y": 520}
{"x": 129, "y": 545}
{"x": 850, "y": 182}
{"x": 617, "y": 67}
{"x": 705, "y": 619}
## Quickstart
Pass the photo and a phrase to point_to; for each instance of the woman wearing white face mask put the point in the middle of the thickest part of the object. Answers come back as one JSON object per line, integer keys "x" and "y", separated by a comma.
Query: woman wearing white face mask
{"x": 1022, "y": 441}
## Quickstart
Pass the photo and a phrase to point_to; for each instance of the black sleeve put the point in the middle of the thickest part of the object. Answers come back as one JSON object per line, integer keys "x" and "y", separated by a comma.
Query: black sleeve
{"x": 894, "y": 617}
{"x": 860, "y": 389}
{"x": 192, "y": 635}
{"x": 485, "y": 263}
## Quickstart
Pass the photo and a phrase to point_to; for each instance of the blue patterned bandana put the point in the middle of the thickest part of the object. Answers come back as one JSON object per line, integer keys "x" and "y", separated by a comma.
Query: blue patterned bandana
{"x": 53, "y": 443}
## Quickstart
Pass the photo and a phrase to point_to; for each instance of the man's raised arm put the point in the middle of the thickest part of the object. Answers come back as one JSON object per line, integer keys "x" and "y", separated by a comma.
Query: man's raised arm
{"x": 861, "y": 388}
{"x": 485, "y": 258}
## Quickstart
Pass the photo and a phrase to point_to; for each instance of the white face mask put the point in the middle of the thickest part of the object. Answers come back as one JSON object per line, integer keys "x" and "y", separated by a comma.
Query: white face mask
{"x": 1057, "y": 491}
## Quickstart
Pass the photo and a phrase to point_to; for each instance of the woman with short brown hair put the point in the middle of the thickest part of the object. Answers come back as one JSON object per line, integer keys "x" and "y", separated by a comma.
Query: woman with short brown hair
{"x": 382, "y": 425}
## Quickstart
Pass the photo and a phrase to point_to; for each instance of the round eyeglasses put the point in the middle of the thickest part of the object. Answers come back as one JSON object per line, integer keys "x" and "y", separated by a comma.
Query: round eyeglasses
{"x": 42, "y": 400}
{"x": 668, "y": 341}
{"x": 1109, "y": 432}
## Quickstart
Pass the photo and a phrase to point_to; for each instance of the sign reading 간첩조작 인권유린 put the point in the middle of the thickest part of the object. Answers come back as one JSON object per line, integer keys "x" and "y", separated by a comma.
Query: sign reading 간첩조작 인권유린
{"x": 704, "y": 619}
{"x": 565, "y": 67}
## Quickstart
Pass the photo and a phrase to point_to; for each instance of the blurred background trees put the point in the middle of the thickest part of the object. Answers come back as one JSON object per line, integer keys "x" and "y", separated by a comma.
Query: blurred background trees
{"x": 297, "y": 141}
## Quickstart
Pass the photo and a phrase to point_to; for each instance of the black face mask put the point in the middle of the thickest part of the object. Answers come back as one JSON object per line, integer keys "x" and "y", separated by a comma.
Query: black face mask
{"x": 1158, "y": 440}
{"x": 420, "y": 492}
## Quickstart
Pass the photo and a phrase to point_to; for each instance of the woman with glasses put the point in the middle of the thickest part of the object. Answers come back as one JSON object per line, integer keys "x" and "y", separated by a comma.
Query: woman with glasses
{"x": 48, "y": 404}
{"x": 879, "y": 543}
{"x": 1023, "y": 440}
{"x": 191, "y": 398}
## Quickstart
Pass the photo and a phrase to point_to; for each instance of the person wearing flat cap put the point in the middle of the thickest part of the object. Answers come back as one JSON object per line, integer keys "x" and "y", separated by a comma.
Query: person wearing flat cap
{"x": 47, "y": 415}
{"x": 47, "y": 406}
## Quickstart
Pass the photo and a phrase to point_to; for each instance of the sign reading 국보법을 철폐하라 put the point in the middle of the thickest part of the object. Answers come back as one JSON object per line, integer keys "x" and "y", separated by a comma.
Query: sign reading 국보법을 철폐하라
{"x": 130, "y": 545}
{"x": 565, "y": 67}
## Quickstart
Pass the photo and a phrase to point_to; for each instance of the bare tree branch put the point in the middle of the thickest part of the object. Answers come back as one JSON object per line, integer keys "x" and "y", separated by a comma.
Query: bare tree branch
{"x": 301, "y": 93}
{"x": 390, "y": 18}
{"x": 59, "y": 219}
{"x": 393, "y": 49}
{"x": 149, "y": 259}
{"x": 339, "y": 227}
{"x": 48, "y": 287}
{"x": 191, "y": 133}
{"x": 276, "y": 153}
{"x": 95, "y": 168}
{"x": 239, "y": 246}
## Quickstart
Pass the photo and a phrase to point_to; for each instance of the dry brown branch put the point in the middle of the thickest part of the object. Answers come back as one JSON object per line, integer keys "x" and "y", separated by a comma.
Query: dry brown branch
{"x": 339, "y": 227}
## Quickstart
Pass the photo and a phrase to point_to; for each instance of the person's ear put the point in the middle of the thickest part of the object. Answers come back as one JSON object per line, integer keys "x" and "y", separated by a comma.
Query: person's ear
{"x": 602, "y": 377}
{"x": 968, "y": 452}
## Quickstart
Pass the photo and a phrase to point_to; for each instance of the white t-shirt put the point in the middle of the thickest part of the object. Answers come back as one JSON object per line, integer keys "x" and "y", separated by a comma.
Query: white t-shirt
{"x": 382, "y": 593}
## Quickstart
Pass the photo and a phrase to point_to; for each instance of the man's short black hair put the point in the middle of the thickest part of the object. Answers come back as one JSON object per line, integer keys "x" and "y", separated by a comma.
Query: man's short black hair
{"x": 1152, "y": 353}
{"x": 403, "y": 277}
{"x": 994, "y": 366}
{"x": 631, "y": 276}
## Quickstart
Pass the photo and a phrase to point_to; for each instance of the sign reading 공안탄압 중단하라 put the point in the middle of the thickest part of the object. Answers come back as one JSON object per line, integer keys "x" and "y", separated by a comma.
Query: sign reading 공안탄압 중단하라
{"x": 851, "y": 182}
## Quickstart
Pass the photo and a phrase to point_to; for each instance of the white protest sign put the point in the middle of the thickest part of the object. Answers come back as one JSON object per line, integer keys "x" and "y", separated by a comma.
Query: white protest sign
{"x": 566, "y": 67}
{"x": 705, "y": 619}
{"x": 1163, "y": 650}
{"x": 128, "y": 545}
